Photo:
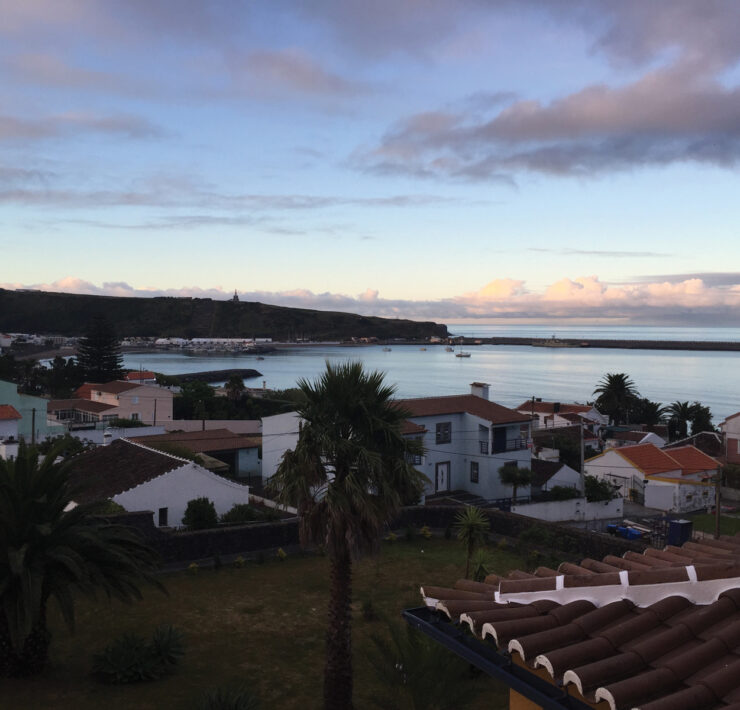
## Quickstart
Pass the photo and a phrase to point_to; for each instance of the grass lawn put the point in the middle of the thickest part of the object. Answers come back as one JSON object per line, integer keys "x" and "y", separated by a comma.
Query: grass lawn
{"x": 260, "y": 626}
{"x": 706, "y": 523}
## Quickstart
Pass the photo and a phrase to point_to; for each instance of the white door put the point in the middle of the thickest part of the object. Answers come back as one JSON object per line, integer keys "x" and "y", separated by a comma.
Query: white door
{"x": 442, "y": 482}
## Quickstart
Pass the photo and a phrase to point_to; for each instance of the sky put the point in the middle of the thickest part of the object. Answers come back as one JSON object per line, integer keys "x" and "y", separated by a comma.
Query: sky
{"x": 453, "y": 160}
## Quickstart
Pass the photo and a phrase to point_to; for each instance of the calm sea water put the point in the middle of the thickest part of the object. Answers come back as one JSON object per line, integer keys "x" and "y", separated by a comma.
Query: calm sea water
{"x": 516, "y": 373}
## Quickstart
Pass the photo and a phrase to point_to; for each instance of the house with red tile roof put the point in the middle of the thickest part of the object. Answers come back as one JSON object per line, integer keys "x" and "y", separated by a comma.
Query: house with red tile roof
{"x": 9, "y": 418}
{"x": 467, "y": 439}
{"x": 141, "y": 377}
{"x": 558, "y": 414}
{"x": 676, "y": 480}
{"x": 116, "y": 400}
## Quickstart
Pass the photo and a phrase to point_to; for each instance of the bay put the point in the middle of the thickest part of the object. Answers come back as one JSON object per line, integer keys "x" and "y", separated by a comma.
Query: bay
{"x": 515, "y": 373}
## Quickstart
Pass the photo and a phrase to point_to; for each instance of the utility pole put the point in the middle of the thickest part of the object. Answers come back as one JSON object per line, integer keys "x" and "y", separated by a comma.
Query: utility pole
{"x": 717, "y": 495}
{"x": 154, "y": 423}
{"x": 583, "y": 473}
{"x": 33, "y": 426}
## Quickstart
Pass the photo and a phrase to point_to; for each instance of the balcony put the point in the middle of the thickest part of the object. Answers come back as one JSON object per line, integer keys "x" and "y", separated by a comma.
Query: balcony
{"x": 510, "y": 445}
{"x": 483, "y": 446}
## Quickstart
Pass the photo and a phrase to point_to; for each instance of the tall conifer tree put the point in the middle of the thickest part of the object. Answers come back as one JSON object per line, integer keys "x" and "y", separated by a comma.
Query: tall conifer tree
{"x": 99, "y": 352}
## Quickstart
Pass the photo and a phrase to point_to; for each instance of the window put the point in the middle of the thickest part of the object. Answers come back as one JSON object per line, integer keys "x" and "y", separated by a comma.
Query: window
{"x": 163, "y": 517}
{"x": 474, "y": 472}
{"x": 135, "y": 416}
{"x": 134, "y": 400}
{"x": 444, "y": 433}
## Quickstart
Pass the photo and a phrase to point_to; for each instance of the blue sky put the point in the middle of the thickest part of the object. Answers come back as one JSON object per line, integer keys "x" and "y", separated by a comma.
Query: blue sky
{"x": 447, "y": 159}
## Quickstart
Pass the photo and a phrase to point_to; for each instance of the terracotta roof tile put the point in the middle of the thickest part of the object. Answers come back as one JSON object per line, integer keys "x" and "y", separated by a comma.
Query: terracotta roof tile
{"x": 549, "y": 407}
{"x": 84, "y": 405}
{"x": 139, "y": 375}
{"x": 8, "y": 412}
{"x": 202, "y": 441}
{"x": 692, "y": 460}
{"x": 648, "y": 458}
{"x": 116, "y": 387}
{"x": 464, "y": 403}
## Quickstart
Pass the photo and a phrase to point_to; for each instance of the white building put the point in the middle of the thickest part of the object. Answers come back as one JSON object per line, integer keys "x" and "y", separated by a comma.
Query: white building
{"x": 279, "y": 433}
{"x": 140, "y": 478}
{"x": 467, "y": 439}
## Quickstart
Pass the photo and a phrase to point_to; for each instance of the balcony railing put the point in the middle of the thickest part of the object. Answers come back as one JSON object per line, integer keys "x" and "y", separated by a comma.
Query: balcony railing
{"x": 511, "y": 445}
{"x": 483, "y": 447}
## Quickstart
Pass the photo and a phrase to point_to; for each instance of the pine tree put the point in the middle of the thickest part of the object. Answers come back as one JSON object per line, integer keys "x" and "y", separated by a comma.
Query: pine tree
{"x": 99, "y": 352}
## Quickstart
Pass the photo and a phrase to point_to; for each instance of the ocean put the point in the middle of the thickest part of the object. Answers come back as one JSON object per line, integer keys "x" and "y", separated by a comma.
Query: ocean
{"x": 516, "y": 373}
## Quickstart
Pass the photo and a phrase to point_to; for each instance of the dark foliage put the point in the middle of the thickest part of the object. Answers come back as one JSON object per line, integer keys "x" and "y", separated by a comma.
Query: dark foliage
{"x": 225, "y": 699}
{"x": 200, "y": 514}
{"x": 133, "y": 659}
{"x": 242, "y": 513}
{"x": 99, "y": 352}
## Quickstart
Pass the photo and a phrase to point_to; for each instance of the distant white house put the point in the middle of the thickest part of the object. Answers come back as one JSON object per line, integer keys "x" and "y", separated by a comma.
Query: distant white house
{"x": 279, "y": 434}
{"x": 141, "y": 478}
{"x": 552, "y": 415}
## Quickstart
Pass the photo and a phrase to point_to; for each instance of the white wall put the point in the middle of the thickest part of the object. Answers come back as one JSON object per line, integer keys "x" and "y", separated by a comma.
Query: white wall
{"x": 678, "y": 497}
{"x": 8, "y": 428}
{"x": 96, "y": 435}
{"x": 573, "y": 509}
{"x": 174, "y": 489}
{"x": 279, "y": 433}
{"x": 566, "y": 476}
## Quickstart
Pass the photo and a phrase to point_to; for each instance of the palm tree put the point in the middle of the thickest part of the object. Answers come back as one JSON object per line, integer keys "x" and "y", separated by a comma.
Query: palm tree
{"x": 681, "y": 413}
{"x": 514, "y": 476}
{"x": 616, "y": 392}
{"x": 347, "y": 476}
{"x": 234, "y": 388}
{"x": 50, "y": 552}
{"x": 645, "y": 411}
{"x": 471, "y": 525}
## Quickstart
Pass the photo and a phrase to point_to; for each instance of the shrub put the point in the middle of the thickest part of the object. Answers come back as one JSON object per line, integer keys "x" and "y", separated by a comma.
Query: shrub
{"x": 241, "y": 513}
{"x": 193, "y": 568}
{"x": 239, "y": 562}
{"x": 200, "y": 514}
{"x": 223, "y": 699}
{"x": 110, "y": 507}
{"x": 480, "y": 565}
{"x": 536, "y": 535}
{"x": 281, "y": 554}
{"x": 131, "y": 659}
{"x": 426, "y": 532}
{"x": 391, "y": 537}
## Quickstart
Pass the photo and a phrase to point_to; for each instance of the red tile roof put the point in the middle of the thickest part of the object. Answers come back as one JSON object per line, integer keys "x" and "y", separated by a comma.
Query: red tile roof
{"x": 116, "y": 387}
{"x": 85, "y": 391}
{"x": 202, "y": 441}
{"x": 409, "y": 427}
{"x": 9, "y": 412}
{"x": 648, "y": 458}
{"x": 549, "y": 407}
{"x": 657, "y": 631}
{"x": 463, "y": 403}
{"x": 140, "y": 375}
{"x": 692, "y": 460}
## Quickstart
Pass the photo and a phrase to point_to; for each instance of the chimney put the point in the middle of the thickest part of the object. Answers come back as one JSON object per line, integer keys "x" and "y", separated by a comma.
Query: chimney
{"x": 480, "y": 389}
{"x": 107, "y": 437}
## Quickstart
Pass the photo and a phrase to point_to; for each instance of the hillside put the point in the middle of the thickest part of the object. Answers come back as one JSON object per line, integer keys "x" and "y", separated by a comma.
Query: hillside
{"x": 68, "y": 314}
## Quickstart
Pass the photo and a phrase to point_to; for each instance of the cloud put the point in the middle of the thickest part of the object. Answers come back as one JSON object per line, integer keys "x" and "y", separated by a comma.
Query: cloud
{"x": 690, "y": 302}
{"x": 15, "y": 129}
{"x": 293, "y": 71}
{"x": 711, "y": 278}
{"x": 667, "y": 116}
{"x": 601, "y": 252}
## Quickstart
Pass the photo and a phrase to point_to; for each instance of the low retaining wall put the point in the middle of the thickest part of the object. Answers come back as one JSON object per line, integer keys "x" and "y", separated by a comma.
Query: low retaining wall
{"x": 174, "y": 546}
{"x": 585, "y": 543}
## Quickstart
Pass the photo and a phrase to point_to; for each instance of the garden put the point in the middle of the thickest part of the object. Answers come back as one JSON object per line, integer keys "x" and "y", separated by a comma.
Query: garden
{"x": 256, "y": 624}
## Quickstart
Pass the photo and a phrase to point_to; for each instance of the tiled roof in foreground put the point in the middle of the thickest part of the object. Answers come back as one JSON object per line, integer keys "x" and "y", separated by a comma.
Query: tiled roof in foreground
{"x": 657, "y": 631}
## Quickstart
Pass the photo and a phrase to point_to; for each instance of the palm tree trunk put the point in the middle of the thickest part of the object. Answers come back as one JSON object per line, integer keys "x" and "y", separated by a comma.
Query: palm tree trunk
{"x": 338, "y": 670}
{"x": 33, "y": 656}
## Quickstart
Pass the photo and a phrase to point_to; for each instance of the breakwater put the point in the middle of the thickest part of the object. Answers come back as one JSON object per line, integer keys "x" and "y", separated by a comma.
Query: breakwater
{"x": 218, "y": 375}
{"x": 697, "y": 345}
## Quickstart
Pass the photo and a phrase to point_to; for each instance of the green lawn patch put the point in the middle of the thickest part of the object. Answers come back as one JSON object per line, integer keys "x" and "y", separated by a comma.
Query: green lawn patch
{"x": 706, "y": 523}
{"x": 261, "y": 626}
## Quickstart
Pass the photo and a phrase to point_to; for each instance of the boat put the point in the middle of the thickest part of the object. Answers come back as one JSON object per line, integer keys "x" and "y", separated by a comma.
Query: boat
{"x": 259, "y": 357}
{"x": 462, "y": 353}
{"x": 422, "y": 349}
{"x": 450, "y": 349}
{"x": 386, "y": 350}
